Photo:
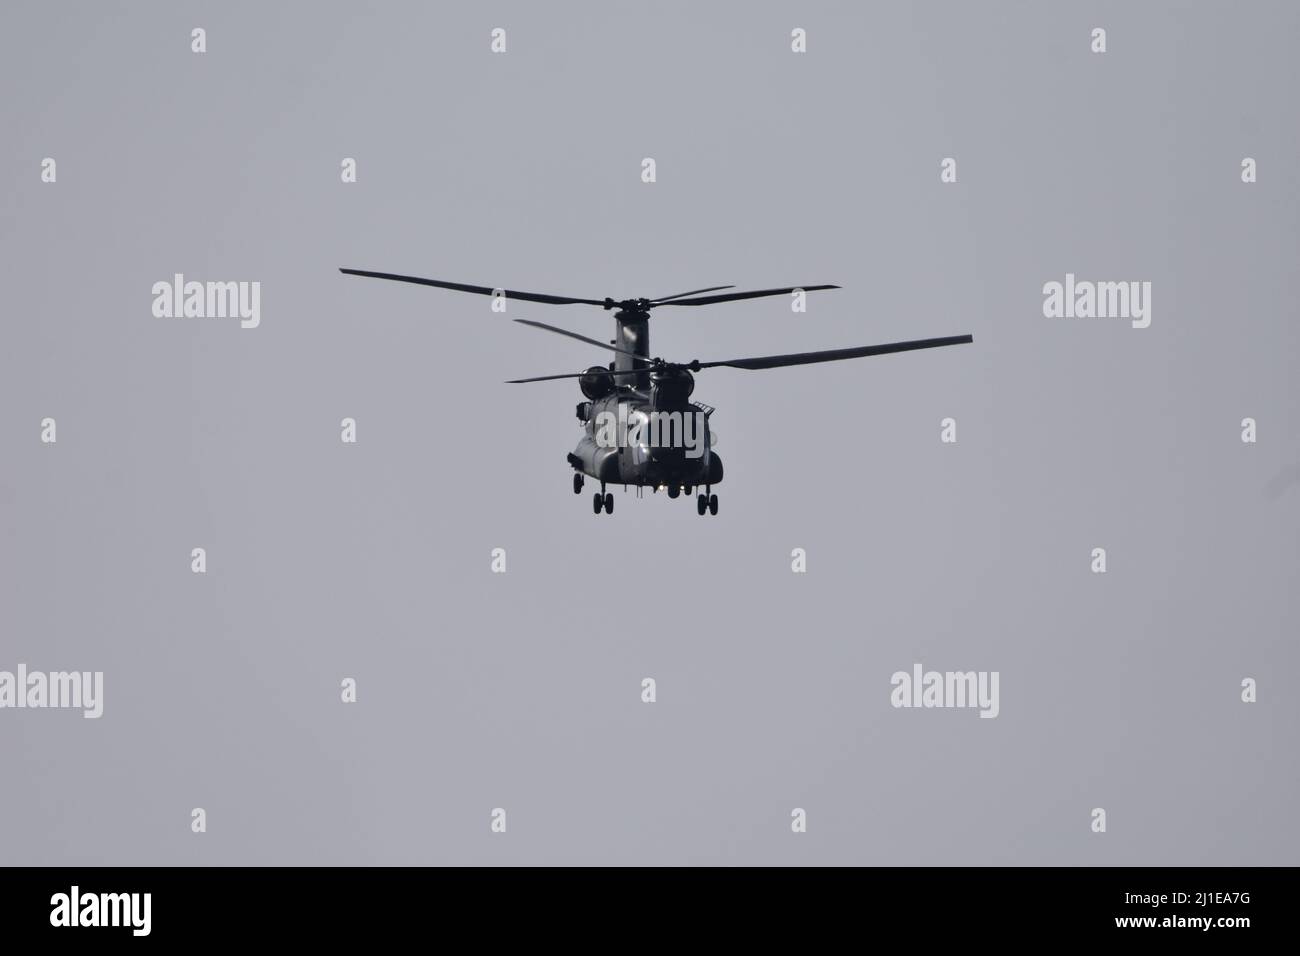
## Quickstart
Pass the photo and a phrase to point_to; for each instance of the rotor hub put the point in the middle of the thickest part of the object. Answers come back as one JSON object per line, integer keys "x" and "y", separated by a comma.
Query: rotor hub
{"x": 672, "y": 383}
{"x": 639, "y": 308}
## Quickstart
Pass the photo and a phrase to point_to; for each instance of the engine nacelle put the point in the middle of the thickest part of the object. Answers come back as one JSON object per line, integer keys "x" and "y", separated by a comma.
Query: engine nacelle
{"x": 672, "y": 387}
{"x": 596, "y": 382}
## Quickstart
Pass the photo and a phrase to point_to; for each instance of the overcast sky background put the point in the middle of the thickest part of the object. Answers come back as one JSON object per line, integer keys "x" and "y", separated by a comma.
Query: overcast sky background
{"x": 522, "y": 690}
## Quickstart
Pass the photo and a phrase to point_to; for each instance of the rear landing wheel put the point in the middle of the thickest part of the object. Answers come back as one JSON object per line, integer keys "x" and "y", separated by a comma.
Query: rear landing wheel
{"x": 701, "y": 505}
{"x": 597, "y": 502}
{"x": 577, "y": 482}
{"x": 609, "y": 503}
{"x": 713, "y": 504}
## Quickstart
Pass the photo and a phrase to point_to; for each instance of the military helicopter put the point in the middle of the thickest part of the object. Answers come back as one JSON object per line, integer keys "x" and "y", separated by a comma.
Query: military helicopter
{"x": 639, "y": 415}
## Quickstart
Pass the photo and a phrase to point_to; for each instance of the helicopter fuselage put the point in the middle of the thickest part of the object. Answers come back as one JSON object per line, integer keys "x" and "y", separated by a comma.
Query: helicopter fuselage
{"x": 640, "y": 427}
{"x": 653, "y": 438}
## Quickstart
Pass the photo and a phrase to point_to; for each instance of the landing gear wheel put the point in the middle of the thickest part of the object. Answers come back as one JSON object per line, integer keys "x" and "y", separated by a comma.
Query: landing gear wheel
{"x": 713, "y": 504}
{"x": 674, "y": 491}
{"x": 577, "y": 482}
{"x": 609, "y": 503}
{"x": 597, "y": 502}
{"x": 701, "y": 505}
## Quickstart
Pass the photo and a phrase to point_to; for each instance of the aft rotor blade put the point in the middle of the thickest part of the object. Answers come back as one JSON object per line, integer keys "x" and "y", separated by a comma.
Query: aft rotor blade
{"x": 582, "y": 338}
{"x": 712, "y": 288}
{"x": 736, "y": 296}
{"x": 834, "y": 355}
{"x": 478, "y": 289}
{"x": 551, "y": 378}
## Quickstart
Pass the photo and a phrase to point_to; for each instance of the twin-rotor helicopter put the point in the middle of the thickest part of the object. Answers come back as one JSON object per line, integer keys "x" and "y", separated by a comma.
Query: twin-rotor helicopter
{"x": 635, "y": 388}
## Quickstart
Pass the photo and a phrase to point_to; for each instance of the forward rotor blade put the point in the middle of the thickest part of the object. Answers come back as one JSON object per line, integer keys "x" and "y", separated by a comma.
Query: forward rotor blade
{"x": 479, "y": 289}
{"x": 735, "y": 296}
{"x": 544, "y": 378}
{"x": 781, "y": 361}
{"x": 834, "y": 355}
{"x": 582, "y": 338}
{"x": 551, "y": 378}
{"x": 712, "y": 288}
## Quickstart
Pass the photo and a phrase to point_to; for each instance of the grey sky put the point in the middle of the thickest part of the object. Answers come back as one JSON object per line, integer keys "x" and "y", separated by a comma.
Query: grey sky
{"x": 522, "y": 690}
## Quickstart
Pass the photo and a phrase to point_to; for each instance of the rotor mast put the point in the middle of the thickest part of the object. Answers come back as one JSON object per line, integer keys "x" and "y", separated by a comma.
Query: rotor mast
{"x": 632, "y": 334}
